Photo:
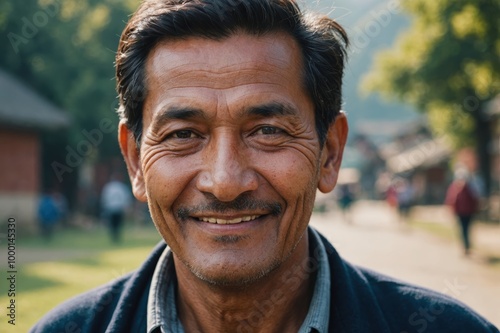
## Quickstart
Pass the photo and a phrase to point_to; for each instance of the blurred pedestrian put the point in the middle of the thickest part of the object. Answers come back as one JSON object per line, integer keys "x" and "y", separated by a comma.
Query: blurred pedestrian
{"x": 391, "y": 195}
{"x": 404, "y": 201}
{"x": 115, "y": 199}
{"x": 48, "y": 215}
{"x": 345, "y": 199}
{"x": 464, "y": 201}
{"x": 382, "y": 185}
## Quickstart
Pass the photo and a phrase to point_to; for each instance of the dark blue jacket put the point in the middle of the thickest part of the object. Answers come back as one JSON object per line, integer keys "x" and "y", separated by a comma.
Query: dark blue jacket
{"x": 361, "y": 301}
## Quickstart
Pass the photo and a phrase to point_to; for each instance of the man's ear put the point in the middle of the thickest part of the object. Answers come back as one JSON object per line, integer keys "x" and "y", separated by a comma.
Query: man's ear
{"x": 333, "y": 149}
{"x": 131, "y": 154}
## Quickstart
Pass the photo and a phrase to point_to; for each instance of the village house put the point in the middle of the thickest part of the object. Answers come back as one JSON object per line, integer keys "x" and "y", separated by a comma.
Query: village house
{"x": 24, "y": 115}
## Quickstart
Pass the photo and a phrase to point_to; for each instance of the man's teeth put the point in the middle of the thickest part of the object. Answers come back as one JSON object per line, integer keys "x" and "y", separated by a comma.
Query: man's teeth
{"x": 233, "y": 221}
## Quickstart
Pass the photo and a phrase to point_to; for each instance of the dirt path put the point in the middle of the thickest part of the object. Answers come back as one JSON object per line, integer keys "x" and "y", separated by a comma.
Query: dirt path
{"x": 375, "y": 240}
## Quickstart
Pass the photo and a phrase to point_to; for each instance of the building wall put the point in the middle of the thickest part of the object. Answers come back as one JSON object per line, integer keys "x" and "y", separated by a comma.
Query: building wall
{"x": 19, "y": 176}
{"x": 20, "y": 162}
{"x": 22, "y": 207}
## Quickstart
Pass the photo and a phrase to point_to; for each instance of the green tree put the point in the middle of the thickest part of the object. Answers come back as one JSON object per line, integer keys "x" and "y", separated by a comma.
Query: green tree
{"x": 64, "y": 50}
{"x": 448, "y": 65}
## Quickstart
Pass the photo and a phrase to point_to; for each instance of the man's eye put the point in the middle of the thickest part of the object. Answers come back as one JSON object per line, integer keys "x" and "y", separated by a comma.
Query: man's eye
{"x": 183, "y": 134}
{"x": 269, "y": 130}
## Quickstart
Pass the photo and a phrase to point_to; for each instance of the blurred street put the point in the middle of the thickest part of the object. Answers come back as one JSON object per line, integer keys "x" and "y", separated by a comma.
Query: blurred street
{"x": 378, "y": 240}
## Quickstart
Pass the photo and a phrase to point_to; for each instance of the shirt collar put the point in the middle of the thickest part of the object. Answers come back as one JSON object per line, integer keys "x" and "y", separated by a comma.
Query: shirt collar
{"x": 161, "y": 308}
{"x": 318, "y": 316}
{"x": 162, "y": 311}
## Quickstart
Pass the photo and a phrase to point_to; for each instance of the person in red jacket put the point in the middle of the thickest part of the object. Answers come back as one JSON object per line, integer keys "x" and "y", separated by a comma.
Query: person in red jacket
{"x": 464, "y": 202}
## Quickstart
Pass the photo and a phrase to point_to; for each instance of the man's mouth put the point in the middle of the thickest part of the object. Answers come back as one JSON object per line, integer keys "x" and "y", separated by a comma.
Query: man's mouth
{"x": 215, "y": 220}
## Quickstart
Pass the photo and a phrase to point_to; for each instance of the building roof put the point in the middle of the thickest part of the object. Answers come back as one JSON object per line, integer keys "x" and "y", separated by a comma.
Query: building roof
{"x": 425, "y": 154}
{"x": 21, "y": 107}
{"x": 383, "y": 131}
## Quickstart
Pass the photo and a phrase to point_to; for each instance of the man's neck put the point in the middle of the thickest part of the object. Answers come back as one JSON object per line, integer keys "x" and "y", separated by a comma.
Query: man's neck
{"x": 278, "y": 302}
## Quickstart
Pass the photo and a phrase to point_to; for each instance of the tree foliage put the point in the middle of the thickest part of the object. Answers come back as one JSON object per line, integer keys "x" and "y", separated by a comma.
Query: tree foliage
{"x": 67, "y": 57}
{"x": 447, "y": 65}
{"x": 64, "y": 50}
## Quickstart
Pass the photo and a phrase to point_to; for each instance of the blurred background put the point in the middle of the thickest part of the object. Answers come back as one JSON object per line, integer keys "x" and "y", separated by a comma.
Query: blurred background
{"x": 422, "y": 95}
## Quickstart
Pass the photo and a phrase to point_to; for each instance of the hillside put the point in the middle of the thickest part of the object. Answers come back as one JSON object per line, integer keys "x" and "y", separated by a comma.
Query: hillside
{"x": 371, "y": 27}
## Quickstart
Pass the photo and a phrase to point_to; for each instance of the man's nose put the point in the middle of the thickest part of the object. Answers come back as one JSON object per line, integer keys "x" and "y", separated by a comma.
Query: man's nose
{"x": 226, "y": 173}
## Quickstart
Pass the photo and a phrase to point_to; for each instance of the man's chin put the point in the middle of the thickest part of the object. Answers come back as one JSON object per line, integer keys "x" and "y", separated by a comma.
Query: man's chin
{"x": 233, "y": 277}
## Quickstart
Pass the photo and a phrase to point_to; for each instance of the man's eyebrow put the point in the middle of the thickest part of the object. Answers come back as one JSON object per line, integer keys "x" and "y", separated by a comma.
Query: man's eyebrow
{"x": 175, "y": 113}
{"x": 272, "y": 110}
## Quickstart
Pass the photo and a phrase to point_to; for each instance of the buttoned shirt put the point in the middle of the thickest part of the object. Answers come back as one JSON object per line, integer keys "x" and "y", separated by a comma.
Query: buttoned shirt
{"x": 162, "y": 309}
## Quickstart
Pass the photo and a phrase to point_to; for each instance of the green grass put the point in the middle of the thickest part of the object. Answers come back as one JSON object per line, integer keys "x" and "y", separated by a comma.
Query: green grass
{"x": 450, "y": 234}
{"x": 89, "y": 260}
{"x": 95, "y": 238}
{"x": 441, "y": 230}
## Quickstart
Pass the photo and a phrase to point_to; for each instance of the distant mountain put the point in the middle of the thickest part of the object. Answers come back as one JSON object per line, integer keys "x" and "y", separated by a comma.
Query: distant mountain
{"x": 371, "y": 27}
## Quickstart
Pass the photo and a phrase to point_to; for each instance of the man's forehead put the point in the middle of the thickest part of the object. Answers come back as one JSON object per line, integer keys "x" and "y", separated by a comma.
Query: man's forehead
{"x": 233, "y": 73}
{"x": 273, "y": 52}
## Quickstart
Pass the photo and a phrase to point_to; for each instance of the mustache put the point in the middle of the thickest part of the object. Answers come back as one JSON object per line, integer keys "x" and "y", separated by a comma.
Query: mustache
{"x": 243, "y": 202}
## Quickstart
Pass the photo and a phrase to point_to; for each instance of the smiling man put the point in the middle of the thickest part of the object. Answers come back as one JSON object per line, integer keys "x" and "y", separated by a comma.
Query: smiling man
{"x": 230, "y": 122}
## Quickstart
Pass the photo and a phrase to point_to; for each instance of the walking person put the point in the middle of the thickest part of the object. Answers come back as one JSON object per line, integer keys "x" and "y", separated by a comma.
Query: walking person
{"x": 464, "y": 202}
{"x": 346, "y": 197}
{"x": 48, "y": 215}
{"x": 404, "y": 194}
{"x": 115, "y": 199}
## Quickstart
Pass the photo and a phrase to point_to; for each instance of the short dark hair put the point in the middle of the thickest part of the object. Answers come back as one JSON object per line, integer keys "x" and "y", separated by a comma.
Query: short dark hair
{"x": 323, "y": 43}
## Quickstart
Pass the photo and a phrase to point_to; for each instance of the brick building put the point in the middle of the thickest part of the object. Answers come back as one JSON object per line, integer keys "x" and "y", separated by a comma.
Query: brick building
{"x": 23, "y": 116}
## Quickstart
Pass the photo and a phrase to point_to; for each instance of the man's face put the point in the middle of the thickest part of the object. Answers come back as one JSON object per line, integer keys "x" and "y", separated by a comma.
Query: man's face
{"x": 229, "y": 160}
